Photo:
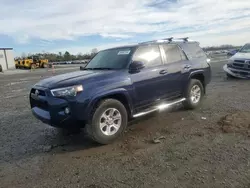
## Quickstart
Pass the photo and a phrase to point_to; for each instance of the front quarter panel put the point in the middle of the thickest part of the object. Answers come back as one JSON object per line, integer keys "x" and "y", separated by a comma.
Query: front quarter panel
{"x": 103, "y": 87}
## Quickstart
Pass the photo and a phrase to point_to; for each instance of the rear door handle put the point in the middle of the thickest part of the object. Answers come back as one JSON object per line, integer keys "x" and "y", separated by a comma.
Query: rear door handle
{"x": 163, "y": 72}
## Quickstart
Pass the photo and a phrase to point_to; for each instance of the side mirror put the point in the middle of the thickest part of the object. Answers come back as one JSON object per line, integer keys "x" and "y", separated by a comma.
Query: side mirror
{"x": 83, "y": 67}
{"x": 136, "y": 66}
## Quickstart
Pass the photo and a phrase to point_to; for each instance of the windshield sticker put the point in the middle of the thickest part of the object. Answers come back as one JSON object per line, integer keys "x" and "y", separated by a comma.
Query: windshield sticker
{"x": 124, "y": 52}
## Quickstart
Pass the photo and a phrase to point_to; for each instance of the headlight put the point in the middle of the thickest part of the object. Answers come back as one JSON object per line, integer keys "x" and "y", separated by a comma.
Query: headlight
{"x": 67, "y": 91}
{"x": 230, "y": 61}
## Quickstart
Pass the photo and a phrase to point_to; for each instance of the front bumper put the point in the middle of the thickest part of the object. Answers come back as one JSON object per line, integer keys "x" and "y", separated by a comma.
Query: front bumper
{"x": 238, "y": 73}
{"x": 51, "y": 110}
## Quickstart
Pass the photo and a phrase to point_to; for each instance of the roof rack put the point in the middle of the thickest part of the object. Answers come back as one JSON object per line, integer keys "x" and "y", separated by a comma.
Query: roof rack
{"x": 184, "y": 39}
{"x": 171, "y": 39}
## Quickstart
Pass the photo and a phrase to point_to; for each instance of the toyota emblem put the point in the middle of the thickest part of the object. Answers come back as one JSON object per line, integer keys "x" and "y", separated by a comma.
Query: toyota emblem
{"x": 247, "y": 61}
{"x": 36, "y": 92}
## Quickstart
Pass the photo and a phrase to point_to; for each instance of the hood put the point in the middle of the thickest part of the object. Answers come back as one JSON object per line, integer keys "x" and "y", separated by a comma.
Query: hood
{"x": 240, "y": 55}
{"x": 72, "y": 78}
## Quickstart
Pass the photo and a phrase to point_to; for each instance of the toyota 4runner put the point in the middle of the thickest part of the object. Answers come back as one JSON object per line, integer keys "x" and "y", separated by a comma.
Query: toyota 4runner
{"x": 122, "y": 83}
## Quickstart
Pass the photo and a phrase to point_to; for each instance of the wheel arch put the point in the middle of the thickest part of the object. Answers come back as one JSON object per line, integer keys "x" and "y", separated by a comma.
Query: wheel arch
{"x": 121, "y": 95}
{"x": 199, "y": 75}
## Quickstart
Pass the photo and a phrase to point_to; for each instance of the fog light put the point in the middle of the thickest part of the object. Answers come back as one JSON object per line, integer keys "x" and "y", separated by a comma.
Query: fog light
{"x": 67, "y": 110}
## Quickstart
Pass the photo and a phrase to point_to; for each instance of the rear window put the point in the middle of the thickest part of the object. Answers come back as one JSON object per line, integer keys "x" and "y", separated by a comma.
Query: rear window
{"x": 193, "y": 50}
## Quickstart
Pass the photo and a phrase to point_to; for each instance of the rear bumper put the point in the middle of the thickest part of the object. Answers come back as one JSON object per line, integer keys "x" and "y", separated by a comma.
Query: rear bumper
{"x": 236, "y": 72}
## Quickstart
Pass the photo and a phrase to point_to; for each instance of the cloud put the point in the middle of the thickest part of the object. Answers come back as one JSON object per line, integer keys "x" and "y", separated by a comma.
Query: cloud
{"x": 87, "y": 49}
{"x": 124, "y": 19}
{"x": 106, "y": 35}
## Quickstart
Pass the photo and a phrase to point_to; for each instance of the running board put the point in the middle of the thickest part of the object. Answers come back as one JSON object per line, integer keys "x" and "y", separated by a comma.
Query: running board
{"x": 159, "y": 107}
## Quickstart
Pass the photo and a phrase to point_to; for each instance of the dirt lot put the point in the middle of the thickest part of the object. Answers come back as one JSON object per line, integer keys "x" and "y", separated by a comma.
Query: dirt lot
{"x": 208, "y": 147}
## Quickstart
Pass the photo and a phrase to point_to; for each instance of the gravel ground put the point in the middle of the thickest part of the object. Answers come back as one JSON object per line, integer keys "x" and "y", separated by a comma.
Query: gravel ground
{"x": 207, "y": 147}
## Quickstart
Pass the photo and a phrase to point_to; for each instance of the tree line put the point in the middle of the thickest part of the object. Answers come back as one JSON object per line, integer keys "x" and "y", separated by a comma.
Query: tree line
{"x": 221, "y": 47}
{"x": 66, "y": 56}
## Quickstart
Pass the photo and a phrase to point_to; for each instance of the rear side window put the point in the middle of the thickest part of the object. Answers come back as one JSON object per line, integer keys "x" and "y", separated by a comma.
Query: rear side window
{"x": 193, "y": 50}
{"x": 173, "y": 53}
{"x": 150, "y": 55}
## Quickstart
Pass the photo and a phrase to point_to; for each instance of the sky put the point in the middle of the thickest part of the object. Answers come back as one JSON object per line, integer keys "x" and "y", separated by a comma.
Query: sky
{"x": 78, "y": 26}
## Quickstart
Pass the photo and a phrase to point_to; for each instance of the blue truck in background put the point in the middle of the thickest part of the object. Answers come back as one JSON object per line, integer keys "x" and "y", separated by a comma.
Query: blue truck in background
{"x": 122, "y": 83}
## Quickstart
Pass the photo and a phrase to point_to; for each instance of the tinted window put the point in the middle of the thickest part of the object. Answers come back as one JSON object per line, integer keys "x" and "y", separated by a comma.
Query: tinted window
{"x": 150, "y": 55}
{"x": 114, "y": 58}
{"x": 173, "y": 53}
{"x": 193, "y": 50}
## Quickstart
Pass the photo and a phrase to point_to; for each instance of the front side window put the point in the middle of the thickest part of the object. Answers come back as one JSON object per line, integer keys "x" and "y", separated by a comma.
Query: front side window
{"x": 150, "y": 55}
{"x": 117, "y": 58}
{"x": 245, "y": 49}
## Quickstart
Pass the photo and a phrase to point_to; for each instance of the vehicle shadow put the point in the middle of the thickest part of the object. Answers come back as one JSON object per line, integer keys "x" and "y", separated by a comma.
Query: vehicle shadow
{"x": 67, "y": 142}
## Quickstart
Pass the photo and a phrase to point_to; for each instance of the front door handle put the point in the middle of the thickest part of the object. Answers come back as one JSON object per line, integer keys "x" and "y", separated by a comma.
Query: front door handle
{"x": 187, "y": 66}
{"x": 163, "y": 72}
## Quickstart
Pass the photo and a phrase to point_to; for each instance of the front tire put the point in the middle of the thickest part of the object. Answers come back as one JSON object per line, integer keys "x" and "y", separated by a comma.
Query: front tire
{"x": 109, "y": 120}
{"x": 194, "y": 94}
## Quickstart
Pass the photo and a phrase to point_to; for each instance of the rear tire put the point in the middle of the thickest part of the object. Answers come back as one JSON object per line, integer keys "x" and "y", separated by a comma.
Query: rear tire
{"x": 109, "y": 120}
{"x": 194, "y": 94}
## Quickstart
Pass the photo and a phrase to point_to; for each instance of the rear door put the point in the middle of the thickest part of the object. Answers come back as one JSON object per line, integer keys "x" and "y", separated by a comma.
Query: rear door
{"x": 177, "y": 66}
{"x": 197, "y": 58}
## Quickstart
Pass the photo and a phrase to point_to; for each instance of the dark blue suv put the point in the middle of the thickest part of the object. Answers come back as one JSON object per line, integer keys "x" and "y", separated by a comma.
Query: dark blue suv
{"x": 122, "y": 83}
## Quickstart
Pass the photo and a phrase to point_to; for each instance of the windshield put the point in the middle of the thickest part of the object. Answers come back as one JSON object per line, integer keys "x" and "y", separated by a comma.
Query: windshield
{"x": 111, "y": 59}
{"x": 245, "y": 48}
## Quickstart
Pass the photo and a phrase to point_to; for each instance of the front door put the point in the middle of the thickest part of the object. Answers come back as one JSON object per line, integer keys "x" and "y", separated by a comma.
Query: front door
{"x": 147, "y": 83}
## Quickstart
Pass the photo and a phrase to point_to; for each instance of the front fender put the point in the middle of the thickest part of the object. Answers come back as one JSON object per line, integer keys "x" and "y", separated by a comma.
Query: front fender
{"x": 97, "y": 97}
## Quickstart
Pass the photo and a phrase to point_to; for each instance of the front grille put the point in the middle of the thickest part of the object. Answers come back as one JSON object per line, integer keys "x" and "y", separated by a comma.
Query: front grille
{"x": 241, "y": 73}
{"x": 41, "y": 92}
{"x": 238, "y": 65}
{"x": 39, "y": 103}
{"x": 239, "y": 61}
{"x": 241, "y": 65}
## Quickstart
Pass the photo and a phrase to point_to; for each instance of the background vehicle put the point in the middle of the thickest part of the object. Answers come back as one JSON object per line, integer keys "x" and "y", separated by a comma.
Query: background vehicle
{"x": 239, "y": 64}
{"x": 232, "y": 52}
{"x": 123, "y": 83}
{"x": 31, "y": 62}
